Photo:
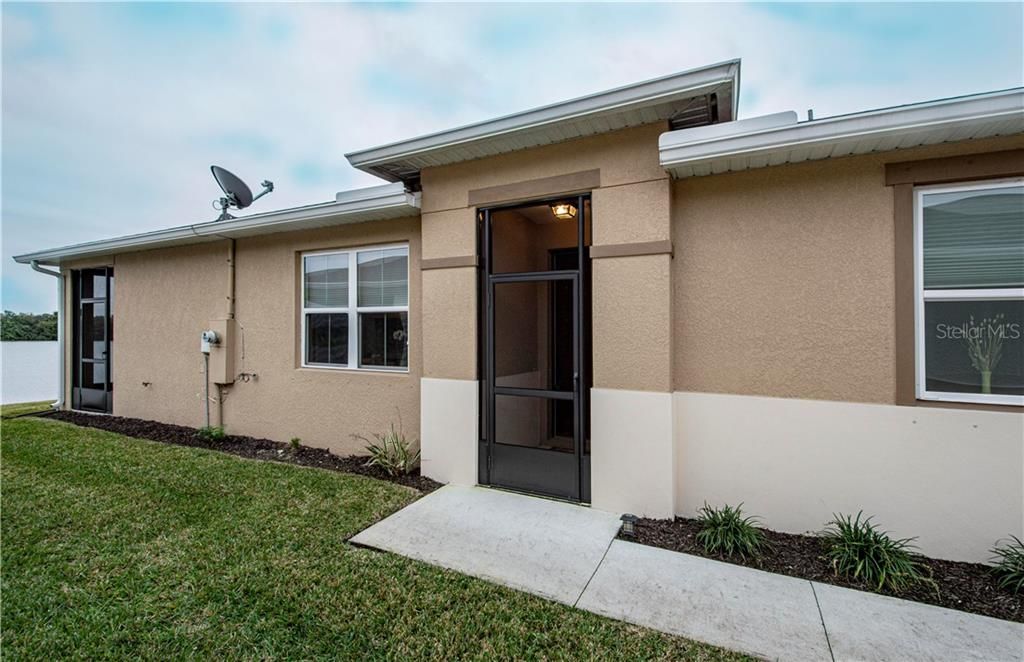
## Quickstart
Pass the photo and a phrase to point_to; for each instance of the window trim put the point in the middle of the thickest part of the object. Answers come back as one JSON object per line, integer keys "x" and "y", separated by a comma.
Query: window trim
{"x": 353, "y": 309}
{"x": 922, "y": 295}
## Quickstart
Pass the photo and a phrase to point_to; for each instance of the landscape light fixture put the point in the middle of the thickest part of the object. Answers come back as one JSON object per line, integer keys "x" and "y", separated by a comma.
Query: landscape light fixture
{"x": 564, "y": 211}
{"x": 629, "y": 525}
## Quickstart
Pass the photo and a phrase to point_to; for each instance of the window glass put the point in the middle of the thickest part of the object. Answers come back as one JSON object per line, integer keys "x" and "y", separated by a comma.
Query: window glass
{"x": 384, "y": 340}
{"x": 974, "y": 347}
{"x": 94, "y": 284}
{"x": 530, "y": 421}
{"x": 327, "y": 338}
{"x": 94, "y": 340}
{"x": 334, "y": 336}
{"x": 974, "y": 238}
{"x": 94, "y": 375}
{"x": 533, "y": 334}
{"x": 971, "y": 312}
{"x": 326, "y": 281}
{"x": 383, "y": 277}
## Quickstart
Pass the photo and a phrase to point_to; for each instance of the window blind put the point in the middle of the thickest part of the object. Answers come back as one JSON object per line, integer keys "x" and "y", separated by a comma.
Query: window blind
{"x": 326, "y": 283}
{"x": 974, "y": 239}
{"x": 383, "y": 277}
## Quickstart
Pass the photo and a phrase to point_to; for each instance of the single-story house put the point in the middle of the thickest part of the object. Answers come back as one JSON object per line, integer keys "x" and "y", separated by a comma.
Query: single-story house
{"x": 636, "y": 300}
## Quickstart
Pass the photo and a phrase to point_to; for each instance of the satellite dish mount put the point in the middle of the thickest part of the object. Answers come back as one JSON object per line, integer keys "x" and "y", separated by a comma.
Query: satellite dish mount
{"x": 236, "y": 193}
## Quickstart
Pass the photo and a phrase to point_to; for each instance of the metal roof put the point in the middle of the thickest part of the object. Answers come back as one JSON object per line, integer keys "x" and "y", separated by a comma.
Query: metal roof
{"x": 650, "y": 101}
{"x": 777, "y": 139}
{"x": 355, "y": 206}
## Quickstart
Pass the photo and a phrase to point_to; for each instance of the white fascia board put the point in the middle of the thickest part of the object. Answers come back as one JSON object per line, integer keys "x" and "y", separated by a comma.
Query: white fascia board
{"x": 621, "y": 98}
{"x": 350, "y": 207}
{"x": 678, "y": 148}
{"x": 712, "y": 132}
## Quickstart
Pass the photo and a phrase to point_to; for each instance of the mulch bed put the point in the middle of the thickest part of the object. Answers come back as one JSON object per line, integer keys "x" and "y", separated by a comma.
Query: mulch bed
{"x": 968, "y": 587}
{"x": 250, "y": 447}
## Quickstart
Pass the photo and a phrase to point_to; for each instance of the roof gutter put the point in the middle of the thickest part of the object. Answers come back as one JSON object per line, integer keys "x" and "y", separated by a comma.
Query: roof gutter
{"x": 59, "y": 403}
{"x": 595, "y": 105}
{"x": 748, "y": 138}
{"x": 389, "y": 200}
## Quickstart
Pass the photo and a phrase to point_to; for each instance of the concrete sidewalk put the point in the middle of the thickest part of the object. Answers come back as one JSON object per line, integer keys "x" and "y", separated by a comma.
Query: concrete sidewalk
{"x": 569, "y": 553}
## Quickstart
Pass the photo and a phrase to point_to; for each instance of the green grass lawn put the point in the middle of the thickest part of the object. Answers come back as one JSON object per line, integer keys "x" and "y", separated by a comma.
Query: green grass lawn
{"x": 120, "y": 548}
{"x": 25, "y": 408}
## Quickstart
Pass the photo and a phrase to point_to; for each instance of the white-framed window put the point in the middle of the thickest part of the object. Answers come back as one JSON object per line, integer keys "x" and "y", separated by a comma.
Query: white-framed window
{"x": 355, "y": 308}
{"x": 969, "y": 283}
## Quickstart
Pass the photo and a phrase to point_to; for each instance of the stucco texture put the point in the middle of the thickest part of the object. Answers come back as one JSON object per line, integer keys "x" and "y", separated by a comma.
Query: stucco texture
{"x": 784, "y": 281}
{"x": 632, "y": 213}
{"x": 164, "y": 298}
{"x": 952, "y": 478}
{"x": 450, "y": 233}
{"x": 632, "y": 323}
{"x": 449, "y": 323}
{"x": 626, "y": 156}
{"x": 632, "y": 204}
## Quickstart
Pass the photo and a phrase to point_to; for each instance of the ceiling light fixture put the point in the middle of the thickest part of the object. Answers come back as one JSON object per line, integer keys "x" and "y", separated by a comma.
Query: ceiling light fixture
{"x": 563, "y": 211}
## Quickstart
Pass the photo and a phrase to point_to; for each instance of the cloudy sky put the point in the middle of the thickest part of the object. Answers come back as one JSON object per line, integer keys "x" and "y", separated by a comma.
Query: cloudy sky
{"x": 112, "y": 113}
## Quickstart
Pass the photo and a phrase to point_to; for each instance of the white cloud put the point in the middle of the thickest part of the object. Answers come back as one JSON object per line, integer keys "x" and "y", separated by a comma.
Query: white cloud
{"x": 121, "y": 114}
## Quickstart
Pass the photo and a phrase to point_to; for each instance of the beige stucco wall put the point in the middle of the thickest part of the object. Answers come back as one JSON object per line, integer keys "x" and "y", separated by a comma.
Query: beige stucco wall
{"x": 632, "y": 323}
{"x": 624, "y": 157}
{"x": 633, "y": 454}
{"x": 631, "y": 213}
{"x": 449, "y": 323}
{"x": 954, "y": 479}
{"x": 783, "y": 286}
{"x": 165, "y": 298}
{"x": 784, "y": 278}
{"x": 631, "y": 205}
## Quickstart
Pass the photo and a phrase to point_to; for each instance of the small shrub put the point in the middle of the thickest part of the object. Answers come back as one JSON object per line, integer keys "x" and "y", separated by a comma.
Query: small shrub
{"x": 391, "y": 451}
{"x": 859, "y": 550}
{"x": 295, "y": 443}
{"x": 211, "y": 433}
{"x": 726, "y": 531}
{"x": 1009, "y": 566}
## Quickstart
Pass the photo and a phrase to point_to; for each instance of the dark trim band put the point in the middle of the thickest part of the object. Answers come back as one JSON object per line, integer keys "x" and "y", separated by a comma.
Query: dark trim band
{"x": 1009, "y": 163}
{"x": 448, "y": 262}
{"x": 629, "y": 250}
{"x": 903, "y": 211}
{"x": 544, "y": 187}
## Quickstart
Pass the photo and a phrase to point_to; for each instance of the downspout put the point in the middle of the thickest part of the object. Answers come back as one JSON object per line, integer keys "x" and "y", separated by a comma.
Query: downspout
{"x": 59, "y": 404}
{"x": 231, "y": 317}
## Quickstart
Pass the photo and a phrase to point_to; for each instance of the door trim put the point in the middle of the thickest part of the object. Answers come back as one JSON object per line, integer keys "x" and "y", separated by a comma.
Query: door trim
{"x": 491, "y": 450}
{"x": 78, "y": 305}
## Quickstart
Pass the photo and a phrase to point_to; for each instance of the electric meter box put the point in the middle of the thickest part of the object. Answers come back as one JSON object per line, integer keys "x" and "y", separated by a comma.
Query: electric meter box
{"x": 222, "y": 354}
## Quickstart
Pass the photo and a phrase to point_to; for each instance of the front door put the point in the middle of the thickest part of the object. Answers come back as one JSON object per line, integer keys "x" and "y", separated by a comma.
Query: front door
{"x": 534, "y": 368}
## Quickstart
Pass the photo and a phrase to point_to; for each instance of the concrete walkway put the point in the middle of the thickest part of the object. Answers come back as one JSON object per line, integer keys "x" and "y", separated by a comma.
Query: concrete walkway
{"x": 569, "y": 553}
{"x": 544, "y": 547}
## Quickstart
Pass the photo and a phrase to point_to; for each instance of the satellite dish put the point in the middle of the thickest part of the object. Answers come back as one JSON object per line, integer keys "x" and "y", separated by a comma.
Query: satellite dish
{"x": 236, "y": 193}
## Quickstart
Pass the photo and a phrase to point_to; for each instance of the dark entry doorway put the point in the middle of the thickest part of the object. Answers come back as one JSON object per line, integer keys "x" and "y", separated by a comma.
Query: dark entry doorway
{"x": 92, "y": 379}
{"x": 535, "y": 361}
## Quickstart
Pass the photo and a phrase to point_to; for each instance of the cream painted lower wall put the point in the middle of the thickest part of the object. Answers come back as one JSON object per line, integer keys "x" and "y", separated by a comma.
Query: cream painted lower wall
{"x": 449, "y": 433}
{"x": 632, "y": 452}
{"x": 954, "y": 478}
